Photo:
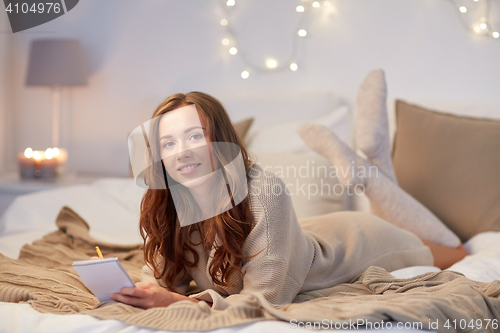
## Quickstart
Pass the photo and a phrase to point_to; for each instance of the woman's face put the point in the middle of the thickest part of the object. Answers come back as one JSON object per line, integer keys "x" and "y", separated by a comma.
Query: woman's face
{"x": 185, "y": 146}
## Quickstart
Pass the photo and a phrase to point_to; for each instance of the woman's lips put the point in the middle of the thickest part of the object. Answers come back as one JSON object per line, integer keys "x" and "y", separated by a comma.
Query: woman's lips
{"x": 186, "y": 170}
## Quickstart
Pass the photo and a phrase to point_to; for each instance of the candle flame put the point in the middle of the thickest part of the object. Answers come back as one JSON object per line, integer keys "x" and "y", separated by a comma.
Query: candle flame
{"x": 49, "y": 153}
{"x": 37, "y": 155}
{"x": 28, "y": 152}
{"x": 55, "y": 151}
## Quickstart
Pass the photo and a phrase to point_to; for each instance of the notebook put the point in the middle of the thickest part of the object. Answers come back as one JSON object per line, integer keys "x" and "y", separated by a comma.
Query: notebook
{"x": 103, "y": 276}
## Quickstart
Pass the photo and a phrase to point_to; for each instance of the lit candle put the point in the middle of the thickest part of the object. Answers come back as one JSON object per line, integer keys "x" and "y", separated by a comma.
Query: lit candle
{"x": 42, "y": 164}
{"x": 27, "y": 164}
{"x": 49, "y": 163}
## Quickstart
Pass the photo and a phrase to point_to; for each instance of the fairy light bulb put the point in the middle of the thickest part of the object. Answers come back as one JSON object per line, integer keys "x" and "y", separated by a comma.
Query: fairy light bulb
{"x": 271, "y": 63}
{"x": 55, "y": 151}
{"x": 225, "y": 41}
{"x": 300, "y": 9}
{"x": 495, "y": 34}
{"x": 293, "y": 66}
{"x": 245, "y": 74}
{"x": 477, "y": 29}
{"x": 302, "y": 32}
{"x": 315, "y": 4}
{"x": 233, "y": 51}
{"x": 37, "y": 155}
{"x": 463, "y": 9}
{"x": 483, "y": 26}
{"x": 223, "y": 22}
{"x": 230, "y": 3}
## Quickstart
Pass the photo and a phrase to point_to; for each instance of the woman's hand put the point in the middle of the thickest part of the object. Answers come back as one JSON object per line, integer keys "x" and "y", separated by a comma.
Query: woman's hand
{"x": 147, "y": 295}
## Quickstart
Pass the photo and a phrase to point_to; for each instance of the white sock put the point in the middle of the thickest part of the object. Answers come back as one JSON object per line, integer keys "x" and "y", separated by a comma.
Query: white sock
{"x": 372, "y": 124}
{"x": 387, "y": 199}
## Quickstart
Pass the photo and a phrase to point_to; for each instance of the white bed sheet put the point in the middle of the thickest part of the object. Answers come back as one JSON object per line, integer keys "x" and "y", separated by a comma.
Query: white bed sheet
{"x": 33, "y": 215}
{"x": 24, "y": 319}
{"x": 111, "y": 207}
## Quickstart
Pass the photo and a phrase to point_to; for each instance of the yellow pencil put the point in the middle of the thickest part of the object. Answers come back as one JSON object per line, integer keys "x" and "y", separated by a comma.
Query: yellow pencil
{"x": 99, "y": 252}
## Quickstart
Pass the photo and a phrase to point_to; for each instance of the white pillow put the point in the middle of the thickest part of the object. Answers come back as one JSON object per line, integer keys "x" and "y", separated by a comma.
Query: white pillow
{"x": 266, "y": 108}
{"x": 307, "y": 178}
{"x": 270, "y": 109}
{"x": 284, "y": 137}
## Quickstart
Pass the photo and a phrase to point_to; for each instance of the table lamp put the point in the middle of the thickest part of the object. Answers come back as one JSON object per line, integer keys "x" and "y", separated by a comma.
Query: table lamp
{"x": 55, "y": 63}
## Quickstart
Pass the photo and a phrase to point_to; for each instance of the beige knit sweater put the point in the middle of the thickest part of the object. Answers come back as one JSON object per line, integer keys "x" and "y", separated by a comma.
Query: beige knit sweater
{"x": 318, "y": 253}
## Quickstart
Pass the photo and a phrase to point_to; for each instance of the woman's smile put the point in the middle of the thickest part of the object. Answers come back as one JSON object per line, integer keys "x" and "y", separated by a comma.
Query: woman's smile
{"x": 187, "y": 169}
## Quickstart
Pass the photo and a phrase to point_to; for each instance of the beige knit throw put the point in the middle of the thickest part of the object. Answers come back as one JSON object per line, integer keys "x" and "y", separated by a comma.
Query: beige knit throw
{"x": 44, "y": 278}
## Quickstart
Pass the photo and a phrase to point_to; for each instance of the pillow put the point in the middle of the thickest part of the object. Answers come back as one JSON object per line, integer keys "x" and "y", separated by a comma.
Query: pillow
{"x": 284, "y": 137}
{"x": 307, "y": 178}
{"x": 242, "y": 127}
{"x": 270, "y": 108}
{"x": 451, "y": 164}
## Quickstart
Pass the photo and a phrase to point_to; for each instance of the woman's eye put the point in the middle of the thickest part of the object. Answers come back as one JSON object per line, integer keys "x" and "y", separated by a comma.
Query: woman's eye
{"x": 168, "y": 144}
{"x": 196, "y": 137}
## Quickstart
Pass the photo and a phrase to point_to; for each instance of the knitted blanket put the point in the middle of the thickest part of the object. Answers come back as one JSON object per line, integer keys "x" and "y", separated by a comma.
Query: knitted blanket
{"x": 443, "y": 301}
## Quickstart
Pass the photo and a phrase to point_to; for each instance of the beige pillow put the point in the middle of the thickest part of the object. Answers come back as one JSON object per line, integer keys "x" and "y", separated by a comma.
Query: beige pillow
{"x": 307, "y": 177}
{"x": 451, "y": 164}
{"x": 242, "y": 127}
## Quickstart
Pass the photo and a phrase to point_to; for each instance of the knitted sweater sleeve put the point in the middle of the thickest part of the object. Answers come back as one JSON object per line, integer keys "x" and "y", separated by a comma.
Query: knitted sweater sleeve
{"x": 282, "y": 254}
{"x": 181, "y": 284}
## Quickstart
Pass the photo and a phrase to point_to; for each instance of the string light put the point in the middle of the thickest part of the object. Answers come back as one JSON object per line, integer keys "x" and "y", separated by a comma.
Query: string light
{"x": 270, "y": 64}
{"x": 482, "y": 27}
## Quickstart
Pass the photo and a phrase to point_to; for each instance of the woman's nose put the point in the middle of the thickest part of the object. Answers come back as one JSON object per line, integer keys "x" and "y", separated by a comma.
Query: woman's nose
{"x": 183, "y": 154}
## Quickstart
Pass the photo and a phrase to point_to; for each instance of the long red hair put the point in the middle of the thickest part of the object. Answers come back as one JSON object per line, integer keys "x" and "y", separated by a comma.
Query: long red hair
{"x": 168, "y": 248}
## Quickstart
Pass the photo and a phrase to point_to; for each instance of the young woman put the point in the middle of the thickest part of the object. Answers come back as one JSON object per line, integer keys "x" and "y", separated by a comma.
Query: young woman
{"x": 256, "y": 244}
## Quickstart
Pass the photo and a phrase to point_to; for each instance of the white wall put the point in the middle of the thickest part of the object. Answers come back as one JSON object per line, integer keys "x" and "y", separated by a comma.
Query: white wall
{"x": 5, "y": 135}
{"x": 137, "y": 49}
{"x": 2, "y": 99}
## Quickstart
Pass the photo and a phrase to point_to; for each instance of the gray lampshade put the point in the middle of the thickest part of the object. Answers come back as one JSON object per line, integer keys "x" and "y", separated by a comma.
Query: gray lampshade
{"x": 56, "y": 62}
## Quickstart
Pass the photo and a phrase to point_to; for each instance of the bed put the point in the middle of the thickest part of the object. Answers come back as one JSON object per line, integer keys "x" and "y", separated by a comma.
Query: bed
{"x": 111, "y": 208}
